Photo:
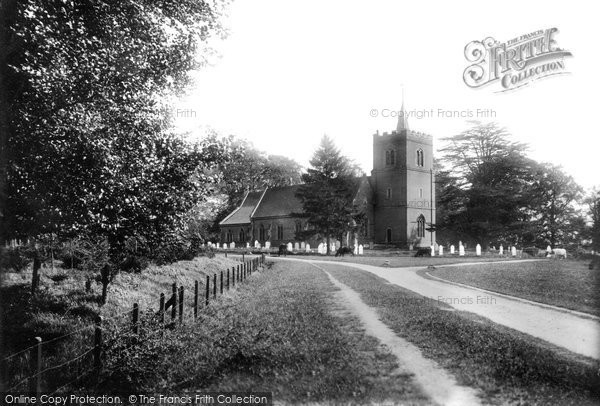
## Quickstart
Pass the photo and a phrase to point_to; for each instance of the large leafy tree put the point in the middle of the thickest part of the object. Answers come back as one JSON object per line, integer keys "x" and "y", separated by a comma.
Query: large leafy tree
{"x": 327, "y": 193}
{"x": 485, "y": 196}
{"x": 593, "y": 203}
{"x": 85, "y": 137}
{"x": 555, "y": 199}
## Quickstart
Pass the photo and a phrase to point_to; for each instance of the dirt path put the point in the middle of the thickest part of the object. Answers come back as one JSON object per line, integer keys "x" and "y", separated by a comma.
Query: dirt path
{"x": 436, "y": 382}
{"x": 577, "y": 334}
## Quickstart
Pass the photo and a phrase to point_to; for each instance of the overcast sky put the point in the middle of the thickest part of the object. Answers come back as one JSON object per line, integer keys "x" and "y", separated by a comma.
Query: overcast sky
{"x": 291, "y": 71}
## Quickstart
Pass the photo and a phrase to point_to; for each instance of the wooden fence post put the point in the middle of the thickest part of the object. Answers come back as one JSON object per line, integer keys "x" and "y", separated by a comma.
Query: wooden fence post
{"x": 35, "y": 382}
{"x": 135, "y": 327}
{"x": 98, "y": 344}
{"x": 233, "y": 275}
{"x": 207, "y": 289}
{"x": 195, "y": 300}
{"x": 174, "y": 305}
{"x": 215, "y": 286}
{"x": 228, "y": 279}
{"x": 35, "y": 278}
{"x": 105, "y": 279}
{"x": 181, "y": 304}
{"x": 221, "y": 282}
{"x": 238, "y": 273}
{"x": 161, "y": 309}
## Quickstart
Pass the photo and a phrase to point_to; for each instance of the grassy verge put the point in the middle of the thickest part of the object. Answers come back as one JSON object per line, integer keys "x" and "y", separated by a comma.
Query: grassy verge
{"x": 62, "y": 313}
{"x": 507, "y": 366}
{"x": 393, "y": 261}
{"x": 277, "y": 333}
{"x": 565, "y": 283}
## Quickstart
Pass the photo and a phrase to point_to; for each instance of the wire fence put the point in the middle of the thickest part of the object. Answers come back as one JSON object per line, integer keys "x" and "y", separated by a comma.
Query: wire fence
{"x": 35, "y": 369}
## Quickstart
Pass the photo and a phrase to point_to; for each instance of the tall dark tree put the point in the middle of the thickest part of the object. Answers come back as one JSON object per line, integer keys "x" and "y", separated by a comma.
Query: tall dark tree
{"x": 486, "y": 193}
{"x": 593, "y": 203}
{"x": 88, "y": 143}
{"x": 327, "y": 193}
{"x": 555, "y": 196}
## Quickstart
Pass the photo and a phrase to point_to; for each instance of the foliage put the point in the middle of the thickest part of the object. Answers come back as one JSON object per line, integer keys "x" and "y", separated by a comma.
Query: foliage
{"x": 593, "y": 202}
{"x": 489, "y": 191}
{"x": 327, "y": 194}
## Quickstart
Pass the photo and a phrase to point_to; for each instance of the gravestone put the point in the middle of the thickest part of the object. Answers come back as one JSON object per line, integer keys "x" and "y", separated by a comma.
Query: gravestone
{"x": 337, "y": 245}
{"x": 296, "y": 246}
{"x": 501, "y": 249}
{"x": 432, "y": 250}
{"x": 478, "y": 250}
{"x": 289, "y": 246}
{"x": 441, "y": 250}
{"x": 256, "y": 244}
{"x": 217, "y": 245}
{"x": 360, "y": 249}
{"x": 513, "y": 251}
{"x": 302, "y": 245}
{"x": 355, "y": 251}
{"x": 461, "y": 250}
{"x": 307, "y": 247}
{"x": 452, "y": 249}
{"x": 232, "y": 245}
{"x": 247, "y": 245}
{"x": 268, "y": 245}
{"x": 410, "y": 247}
{"x": 320, "y": 248}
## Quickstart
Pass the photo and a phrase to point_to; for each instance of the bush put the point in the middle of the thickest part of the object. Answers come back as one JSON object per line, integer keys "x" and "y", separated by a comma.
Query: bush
{"x": 134, "y": 263}
{"x": 16, "y": 258}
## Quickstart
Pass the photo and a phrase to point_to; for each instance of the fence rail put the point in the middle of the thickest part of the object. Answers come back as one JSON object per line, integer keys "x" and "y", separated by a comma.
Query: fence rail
{"x": 28, "y": 362}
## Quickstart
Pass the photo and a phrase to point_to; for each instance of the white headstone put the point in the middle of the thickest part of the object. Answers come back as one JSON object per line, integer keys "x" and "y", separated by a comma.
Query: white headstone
{"x": 247, "y": 245}
{"x": 302, "y": 245}
{"x": 256, "y": 244}
{"x": 297, "y": 246}
{"x": 289, "y": 246}
{"x": 332, "y": 247}
{"x": 320, "y": 248}
{"x": 513, "y": 251}
{"x": 548, "y": 249}
{"x": 337, "y": 245}
{"x": 410, "y": 247}
{"x": 232, "y": 245}
{"x": 432, "y": 250}
{"x": 441, "y": 250}
{"x": 461, "y": 250}
{"x": 501, "y": 249}
{"x": 268, "y": 245}
{"x": 307, "y": 247}
{"x": 478, "y": 250}
{"x": 360, "y": 249}
{"x": 217, "y": 245}
{"x": 355, "y": 250}
{"x": 452, "y": 249}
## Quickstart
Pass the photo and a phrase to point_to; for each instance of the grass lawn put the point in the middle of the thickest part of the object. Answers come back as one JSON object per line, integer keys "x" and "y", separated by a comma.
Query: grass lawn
{"x": 507, "y": 366}
{"x": 402, "y": 261}
{"x": 279, "y": 333}
{"x": 564, "y": 283}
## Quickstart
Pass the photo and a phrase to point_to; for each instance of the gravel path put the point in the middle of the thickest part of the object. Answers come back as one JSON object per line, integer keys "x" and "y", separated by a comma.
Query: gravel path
{"x": 562, "y": 328}
{"x": 435, "y": 382}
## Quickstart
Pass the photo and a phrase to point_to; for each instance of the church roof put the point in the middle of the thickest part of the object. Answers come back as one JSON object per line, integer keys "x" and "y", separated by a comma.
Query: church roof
{"x": 279, "y": 201}
{"x": 242, "y": 214}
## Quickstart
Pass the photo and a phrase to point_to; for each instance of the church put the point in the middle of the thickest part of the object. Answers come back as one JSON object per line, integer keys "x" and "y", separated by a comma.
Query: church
{"x": 398, "y": 200}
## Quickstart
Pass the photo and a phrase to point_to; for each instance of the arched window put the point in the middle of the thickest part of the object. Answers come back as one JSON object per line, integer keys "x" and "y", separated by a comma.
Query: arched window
{"x": 229, "y": 237}
{"x": 392, "y": 157}
{"x": 261, "y": 233}
{"x": 280, "y": 232}
{"x": 242, "y": 235}
{"x": 420, "y": 159}
{"x": 298, "y": 226}
{"x": 387, "y": 157}
{"x": 421, "y": 226}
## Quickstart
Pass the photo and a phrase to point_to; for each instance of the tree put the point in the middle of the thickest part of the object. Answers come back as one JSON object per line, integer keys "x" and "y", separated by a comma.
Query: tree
{"x": 593, "y": 202}
{"x": 88, "y": 145}
{"x": 485, "y": 196}
{"x": 327, "y": 193}
{"x": 555, "y": 195}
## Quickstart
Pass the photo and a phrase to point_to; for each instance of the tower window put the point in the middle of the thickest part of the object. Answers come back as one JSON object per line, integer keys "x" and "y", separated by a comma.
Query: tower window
{"x": 420, "y": 192}
{"x": 421, "y": 226}
{"x": 388, "y": 194}
{"x": 390, "y": 157}
{"x": 280, "y": 232}
{"x": 420, "y": 159}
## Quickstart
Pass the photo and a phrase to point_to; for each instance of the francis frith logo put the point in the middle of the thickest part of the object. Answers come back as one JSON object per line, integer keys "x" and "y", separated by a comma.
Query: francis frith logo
{"x": 514, "y": 63}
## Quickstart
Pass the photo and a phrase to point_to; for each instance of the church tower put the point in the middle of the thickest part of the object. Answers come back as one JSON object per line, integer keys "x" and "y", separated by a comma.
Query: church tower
{"x": 402, "y": 180}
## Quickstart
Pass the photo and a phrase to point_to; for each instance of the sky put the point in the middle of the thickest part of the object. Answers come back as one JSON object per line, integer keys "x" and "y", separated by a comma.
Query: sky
{"x": 291, "y": 71}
